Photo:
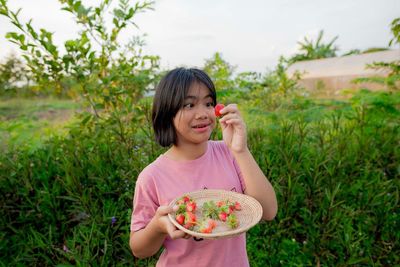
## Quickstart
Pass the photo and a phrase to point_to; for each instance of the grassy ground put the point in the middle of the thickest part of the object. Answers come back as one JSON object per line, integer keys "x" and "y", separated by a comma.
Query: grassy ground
{"x": 29, "y": 122}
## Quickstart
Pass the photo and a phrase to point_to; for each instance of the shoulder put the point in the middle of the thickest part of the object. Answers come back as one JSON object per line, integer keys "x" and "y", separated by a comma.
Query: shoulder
{"x": 219, "y": 147}
{"x": 147, "y": 175}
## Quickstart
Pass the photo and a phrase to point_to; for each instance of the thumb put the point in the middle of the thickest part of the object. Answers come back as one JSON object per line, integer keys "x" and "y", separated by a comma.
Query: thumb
{"x": 164, "y": 210}
{"x": 173, "y": 232}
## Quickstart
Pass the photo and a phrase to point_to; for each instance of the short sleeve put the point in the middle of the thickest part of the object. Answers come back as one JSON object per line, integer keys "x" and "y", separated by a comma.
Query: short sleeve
{"x": 221, "y": 145}
{"x": 240, "y": 175}
{"x": 145, "y": 202}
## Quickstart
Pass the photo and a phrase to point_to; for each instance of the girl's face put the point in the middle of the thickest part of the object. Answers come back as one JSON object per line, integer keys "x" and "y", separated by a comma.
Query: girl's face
{"x": 195, "y": 121}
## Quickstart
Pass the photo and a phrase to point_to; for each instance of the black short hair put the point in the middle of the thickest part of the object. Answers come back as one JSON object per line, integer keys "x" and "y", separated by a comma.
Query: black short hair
{"x": 169, "y": 98}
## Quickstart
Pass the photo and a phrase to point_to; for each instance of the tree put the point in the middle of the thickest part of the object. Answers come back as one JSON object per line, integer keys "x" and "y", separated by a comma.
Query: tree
{"x": 12, "y": 74}
{"x": 109, "y": 75}
{"x": 395, "y": 28}
{"x": 220, "y": 72}
{"x": 315, "y": 50}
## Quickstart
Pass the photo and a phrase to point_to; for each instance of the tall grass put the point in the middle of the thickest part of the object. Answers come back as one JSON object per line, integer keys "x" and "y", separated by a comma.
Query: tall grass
{"x": 337, "y": 176}
{"x": 29, "y": 122}
{"x": 335, "y": 168}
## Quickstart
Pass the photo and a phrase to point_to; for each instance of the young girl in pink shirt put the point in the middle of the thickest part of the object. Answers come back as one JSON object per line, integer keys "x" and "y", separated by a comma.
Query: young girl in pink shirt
{"x": 183, "y": 119}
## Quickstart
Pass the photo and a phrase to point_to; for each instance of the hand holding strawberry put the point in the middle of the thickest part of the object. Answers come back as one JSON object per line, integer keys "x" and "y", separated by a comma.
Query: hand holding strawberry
{"x": 233, "y": 129}
{"x": 164, "y": 225}
{"x": 218, "y": 108}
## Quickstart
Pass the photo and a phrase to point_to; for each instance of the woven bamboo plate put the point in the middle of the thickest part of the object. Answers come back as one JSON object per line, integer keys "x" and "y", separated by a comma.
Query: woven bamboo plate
{"x": 248, "y": 216}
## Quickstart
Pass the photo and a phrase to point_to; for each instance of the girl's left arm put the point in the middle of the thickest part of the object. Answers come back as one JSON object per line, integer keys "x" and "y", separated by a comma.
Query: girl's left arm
{"x": 257, "y": 185}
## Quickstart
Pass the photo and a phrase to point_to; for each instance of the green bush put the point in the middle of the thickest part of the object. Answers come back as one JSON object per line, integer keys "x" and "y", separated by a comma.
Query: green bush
{"x": 336, "y": 173}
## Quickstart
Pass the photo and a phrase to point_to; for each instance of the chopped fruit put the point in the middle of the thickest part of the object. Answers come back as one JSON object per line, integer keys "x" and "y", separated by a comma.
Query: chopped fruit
{"x": 212, "y": 224}
{"x": 183, "y": 200}
{"x": 180, "y": 218}
{"x": 190, "y": 217}
{"x": 231, "y": 209}
{"x": 188, "y": 226}
{"x": 238, "y": 206}
{"x": 210, "y": 213}
{"x": 205, "y": 230}
{"x": 191, "y": 206}
{"x": 222, "y": 216}
{"x": 220, "y": 203}
{"x": 218, "y": 108}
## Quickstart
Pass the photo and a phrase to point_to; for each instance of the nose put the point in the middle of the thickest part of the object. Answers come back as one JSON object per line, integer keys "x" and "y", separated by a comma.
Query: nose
{"x": 201, "y": 112}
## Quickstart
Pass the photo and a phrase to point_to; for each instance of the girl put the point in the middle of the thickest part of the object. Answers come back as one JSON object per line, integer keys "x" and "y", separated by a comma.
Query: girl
{"x": 183, "y": 118}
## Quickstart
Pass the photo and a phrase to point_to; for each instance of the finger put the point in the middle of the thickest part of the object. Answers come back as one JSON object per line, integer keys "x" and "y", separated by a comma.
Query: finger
{"x": 237, "y": 122}
{"x": 164, "y": 210}
{"x": 231, "y": 108}
{"x": 229, "y": 116}
{"x": 175, "y": 234}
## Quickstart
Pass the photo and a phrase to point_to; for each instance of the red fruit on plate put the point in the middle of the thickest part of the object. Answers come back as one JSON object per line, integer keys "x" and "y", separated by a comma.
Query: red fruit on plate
{"x": 238, "y": 206}
{"x": 218, "y": 108}
{"x": 206, "y": 230}
{"x": 220, "y": 203}
{"x": 211, "y": 223}
{"x": 188, "y": 225}
{"x": 190, "y": 217}
{"x": 231, "y": 209}
{"x": 222, "y": 216}
{"x": 183, "y": 200}
{"x": 191, "y": 206}
{"x": 180, "y": 218}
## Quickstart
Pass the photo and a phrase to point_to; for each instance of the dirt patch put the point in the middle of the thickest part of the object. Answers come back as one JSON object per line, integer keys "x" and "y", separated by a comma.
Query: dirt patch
{"x": 52, "y": 115}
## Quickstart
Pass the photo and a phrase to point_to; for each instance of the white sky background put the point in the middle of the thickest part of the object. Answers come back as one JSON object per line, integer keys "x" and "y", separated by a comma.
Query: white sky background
{"x": 251, "y": 35}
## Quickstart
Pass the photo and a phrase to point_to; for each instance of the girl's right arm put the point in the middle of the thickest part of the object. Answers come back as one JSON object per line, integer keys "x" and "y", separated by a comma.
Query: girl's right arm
{"x": 147, "y": 241}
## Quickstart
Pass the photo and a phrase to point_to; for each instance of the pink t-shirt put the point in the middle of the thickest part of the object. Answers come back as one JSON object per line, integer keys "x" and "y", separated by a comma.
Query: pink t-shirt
{"x": 165, "y": 179}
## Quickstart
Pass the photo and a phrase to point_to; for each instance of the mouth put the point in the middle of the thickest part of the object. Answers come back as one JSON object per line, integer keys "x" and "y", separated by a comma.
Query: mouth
{"x": 200, "y": 126}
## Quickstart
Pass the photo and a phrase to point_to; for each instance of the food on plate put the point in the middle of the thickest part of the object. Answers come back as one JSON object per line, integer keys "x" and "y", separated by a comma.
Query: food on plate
{"x": 206, "y": 218}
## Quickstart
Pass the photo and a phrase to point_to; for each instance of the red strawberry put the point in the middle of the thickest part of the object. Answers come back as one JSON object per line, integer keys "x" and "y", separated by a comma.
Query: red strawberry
{"x": 190, "y": 217}
{"x": 231, "y": 209}
{"x": 206, "y": 230}
{"x": 218, "y": 108}
{"x": 180, "y": 218}
{"x": 183, "y": 200}
{"x": 211, "y": 223}
{"x": 220, "y": 203}
{"x": 238, "y": 206}
{"x": 191, "y": 206}
{"x": 222, "y": 216}
{"x": 190, "y": 220}
{"x": 188, "y": 225}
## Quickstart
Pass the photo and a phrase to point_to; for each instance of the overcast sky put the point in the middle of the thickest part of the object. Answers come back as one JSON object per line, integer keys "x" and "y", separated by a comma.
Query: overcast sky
{"x": 250, "y": 34}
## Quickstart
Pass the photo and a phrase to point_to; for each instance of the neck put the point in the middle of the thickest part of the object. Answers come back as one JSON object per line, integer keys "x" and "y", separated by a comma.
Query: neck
{"x": 187, "y": 151}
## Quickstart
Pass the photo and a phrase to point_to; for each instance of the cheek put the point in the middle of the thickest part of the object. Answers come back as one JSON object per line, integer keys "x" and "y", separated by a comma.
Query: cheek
{"x": 179, "y": 120}
{"x": 214, "y": 120}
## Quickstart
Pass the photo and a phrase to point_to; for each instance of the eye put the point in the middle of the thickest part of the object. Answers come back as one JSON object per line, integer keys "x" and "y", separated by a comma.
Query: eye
{"x": 188, "y": 105}
{"x": 210, "y": 104}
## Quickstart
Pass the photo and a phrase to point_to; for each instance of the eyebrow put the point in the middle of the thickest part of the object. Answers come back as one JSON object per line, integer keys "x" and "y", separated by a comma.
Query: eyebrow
{"x": 195, "y": 97}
